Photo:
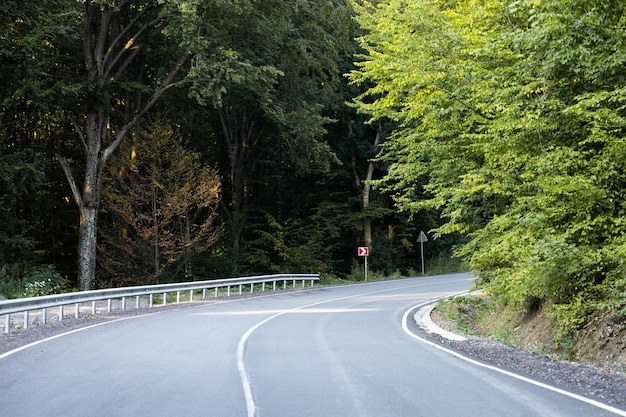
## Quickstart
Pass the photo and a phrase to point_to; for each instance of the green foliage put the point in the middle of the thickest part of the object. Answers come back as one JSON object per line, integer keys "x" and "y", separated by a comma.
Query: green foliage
{"x": 39, "y": 281}
{"x": 444, "y": 263}
{"x": 512, "y": 122}
{"x": 464, "y": 312}
{"x": 44, "y": 280}
{"x": 20, "y": 178}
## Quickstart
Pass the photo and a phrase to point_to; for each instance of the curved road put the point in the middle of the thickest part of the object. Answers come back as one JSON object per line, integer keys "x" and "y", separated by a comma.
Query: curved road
{"x": 332, "y": 351}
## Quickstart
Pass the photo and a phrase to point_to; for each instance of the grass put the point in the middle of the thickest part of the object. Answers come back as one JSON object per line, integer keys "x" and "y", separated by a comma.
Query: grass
{"x": 464, "y": 312}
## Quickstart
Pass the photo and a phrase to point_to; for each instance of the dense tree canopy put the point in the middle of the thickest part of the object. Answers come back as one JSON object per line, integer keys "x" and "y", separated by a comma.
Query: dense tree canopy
{"x": 512, "y": 118}
{"x": 253, "y": 94}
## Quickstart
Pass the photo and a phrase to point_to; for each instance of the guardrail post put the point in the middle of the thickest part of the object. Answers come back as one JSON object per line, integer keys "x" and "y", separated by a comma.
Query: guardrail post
{"x": 228, "y": 291}
{"x": 252, "y": 288}
{"x": 77, "y": 310}
{"x": 7, "y": 323}
{"x": 263, "y": 287}
{"x": 294, "y": 284}
{"x": 60, "y": 313}
{"x": 26, "y": 319}
{"x": 190, "y": 295}
{"x": 164, "y": 298}
{"x": 137, "y": 302}
{"x": 177, "y": 297}
{"x": 109, "y": 301}
{"x": 151, "y": 300}
{"x": 274, "y": 285}
{"x": 311, "y": 282}
{"x": 284, "y": 284}
{"x": 216, "y": 291}
{"x": 123, "y": 303}
{"x": 93, "y": 308}
{"x": 240, "y": 288}
{"x": 44, "y": 315}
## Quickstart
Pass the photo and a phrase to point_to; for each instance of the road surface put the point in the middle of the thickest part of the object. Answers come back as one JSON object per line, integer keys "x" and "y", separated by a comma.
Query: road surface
{"x": 343, "y": 351}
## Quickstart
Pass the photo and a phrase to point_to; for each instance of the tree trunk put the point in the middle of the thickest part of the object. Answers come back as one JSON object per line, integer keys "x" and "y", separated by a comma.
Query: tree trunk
{"x": 155, "y": 226}
{"x": 239, "y": 141}
{"x": 107, "y": 57}
{"x": 87, "y": 247}
{"x": 366, "y": 191}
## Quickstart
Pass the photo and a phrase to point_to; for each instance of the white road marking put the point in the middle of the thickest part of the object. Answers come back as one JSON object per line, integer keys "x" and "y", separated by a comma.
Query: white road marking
{"x": 589, "y": 401}
{"x": 241, "y": 347}
{"x": 11, "y": 352}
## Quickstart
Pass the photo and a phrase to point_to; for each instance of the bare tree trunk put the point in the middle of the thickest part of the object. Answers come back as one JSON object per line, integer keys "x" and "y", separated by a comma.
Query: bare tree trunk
{"x": 239, "y": 142}
{"x": 366, "y": 191}
{"x": 155, "y": 226}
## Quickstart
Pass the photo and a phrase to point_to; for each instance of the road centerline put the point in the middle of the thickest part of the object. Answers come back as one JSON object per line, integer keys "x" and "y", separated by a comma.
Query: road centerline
{"x": 252, "y": 409}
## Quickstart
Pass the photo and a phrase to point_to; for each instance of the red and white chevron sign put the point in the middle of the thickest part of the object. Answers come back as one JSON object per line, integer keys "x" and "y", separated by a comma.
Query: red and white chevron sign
{"x": 363, "y": 251}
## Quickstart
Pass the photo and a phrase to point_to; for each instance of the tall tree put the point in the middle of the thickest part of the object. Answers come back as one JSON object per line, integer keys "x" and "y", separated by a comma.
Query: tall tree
{"x": 518, "y": 137}
{"x": 269, "y": 101}
{"x": 116, "y": 36}
{"x": 38, "y": 49}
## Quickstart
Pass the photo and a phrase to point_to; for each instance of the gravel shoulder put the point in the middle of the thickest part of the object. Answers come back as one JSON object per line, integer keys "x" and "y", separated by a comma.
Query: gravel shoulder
{"x": 604, "y": 385}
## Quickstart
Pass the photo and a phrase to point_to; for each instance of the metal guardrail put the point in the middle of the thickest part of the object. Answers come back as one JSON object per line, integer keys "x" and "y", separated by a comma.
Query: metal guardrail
{"x": 26, "y": 305}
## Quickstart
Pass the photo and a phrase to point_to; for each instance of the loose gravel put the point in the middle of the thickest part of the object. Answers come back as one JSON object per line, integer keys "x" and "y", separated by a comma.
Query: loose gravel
{"x": 603, "y": 385}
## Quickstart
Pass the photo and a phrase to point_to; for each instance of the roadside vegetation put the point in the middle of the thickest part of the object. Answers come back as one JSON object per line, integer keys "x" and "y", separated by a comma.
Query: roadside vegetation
{"x": 511, "y": 117}
{"x": 184, "y": 152}
{"x": 601, "y": 341}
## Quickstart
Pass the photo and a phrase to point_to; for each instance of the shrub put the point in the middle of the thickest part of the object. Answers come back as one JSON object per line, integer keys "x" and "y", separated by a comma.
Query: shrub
{"x": 44, "y": 280}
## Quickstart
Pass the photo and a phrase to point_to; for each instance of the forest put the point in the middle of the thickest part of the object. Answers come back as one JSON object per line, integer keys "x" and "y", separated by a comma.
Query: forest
{"x": 156, "y": 141}
{"x": 153, "y": 141}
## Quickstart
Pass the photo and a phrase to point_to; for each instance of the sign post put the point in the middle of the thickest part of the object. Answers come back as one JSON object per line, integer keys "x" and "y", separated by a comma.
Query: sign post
{"x": 364, "y": 251}
{"x": 421, "y": 239}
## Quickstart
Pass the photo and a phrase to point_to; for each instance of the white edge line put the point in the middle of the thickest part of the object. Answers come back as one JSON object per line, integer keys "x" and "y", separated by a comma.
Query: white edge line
{"x": 505, "y": 372}
{"x": 11, "y": 352}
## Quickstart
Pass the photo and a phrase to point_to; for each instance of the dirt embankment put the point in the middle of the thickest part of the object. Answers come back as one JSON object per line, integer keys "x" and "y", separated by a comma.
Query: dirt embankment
{"x": 600, "y": 342}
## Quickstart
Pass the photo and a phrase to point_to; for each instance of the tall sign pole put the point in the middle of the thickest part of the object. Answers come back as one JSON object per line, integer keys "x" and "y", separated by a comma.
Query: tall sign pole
{"x": 364, "y": 251}
{"x": 421, "y": 239}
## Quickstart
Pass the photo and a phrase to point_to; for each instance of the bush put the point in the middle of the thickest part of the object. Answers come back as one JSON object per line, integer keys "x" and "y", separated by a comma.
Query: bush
{"x": 44, "y": 280}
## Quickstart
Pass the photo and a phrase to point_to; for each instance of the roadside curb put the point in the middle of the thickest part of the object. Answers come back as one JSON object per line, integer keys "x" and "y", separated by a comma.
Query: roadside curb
{"x": 422, "y": 318}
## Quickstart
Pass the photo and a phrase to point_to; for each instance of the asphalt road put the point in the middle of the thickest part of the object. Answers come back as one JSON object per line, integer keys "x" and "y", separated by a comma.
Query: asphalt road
{"x": 328, "y": 352}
